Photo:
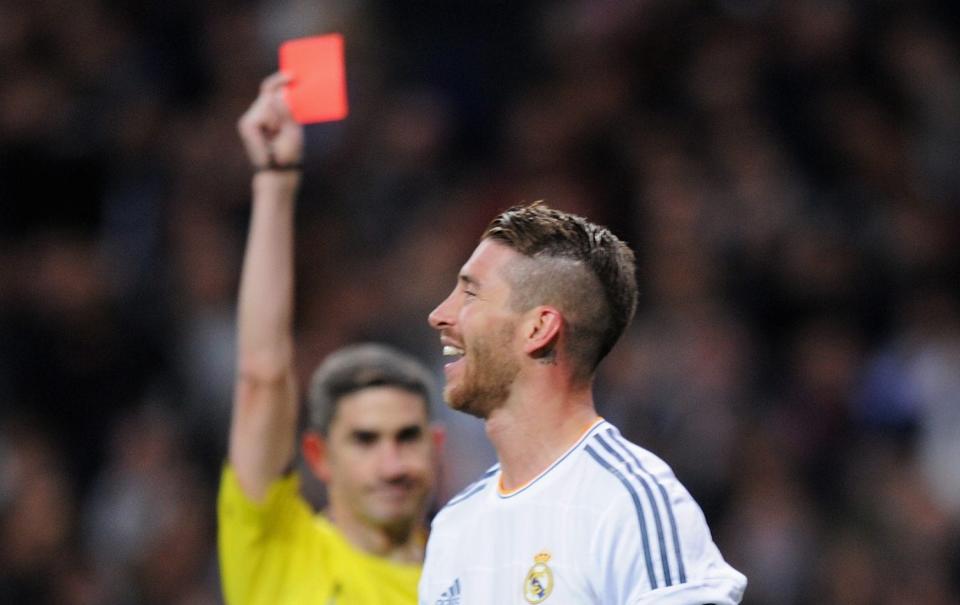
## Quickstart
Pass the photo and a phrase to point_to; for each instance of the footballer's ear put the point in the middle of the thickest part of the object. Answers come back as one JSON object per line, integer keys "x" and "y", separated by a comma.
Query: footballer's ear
{"x": 541, "y": 331}
{"x": 314, "y": 448}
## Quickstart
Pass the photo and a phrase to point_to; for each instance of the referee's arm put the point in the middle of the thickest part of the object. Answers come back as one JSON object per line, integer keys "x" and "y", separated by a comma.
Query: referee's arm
{"x": 263, "y": 424}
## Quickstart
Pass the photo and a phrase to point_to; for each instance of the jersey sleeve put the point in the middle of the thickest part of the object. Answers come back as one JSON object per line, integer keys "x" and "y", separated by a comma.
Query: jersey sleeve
{"x": 257, "y": 542}
{"x": 718, "y": 591}
{"x": 673, "y": 562}
{"x": 621, "y": 566}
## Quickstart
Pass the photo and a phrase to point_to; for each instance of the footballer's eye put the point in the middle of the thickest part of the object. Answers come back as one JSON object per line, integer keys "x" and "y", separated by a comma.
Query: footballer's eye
{"x": 468, "y": 286}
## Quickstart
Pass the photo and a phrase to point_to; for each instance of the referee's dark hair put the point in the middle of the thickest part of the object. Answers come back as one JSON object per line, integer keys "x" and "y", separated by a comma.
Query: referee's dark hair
{"x": 362, "y": 366}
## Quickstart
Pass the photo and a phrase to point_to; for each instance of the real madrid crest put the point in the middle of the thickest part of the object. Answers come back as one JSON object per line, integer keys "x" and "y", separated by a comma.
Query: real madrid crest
{"x": 539, "y": 581}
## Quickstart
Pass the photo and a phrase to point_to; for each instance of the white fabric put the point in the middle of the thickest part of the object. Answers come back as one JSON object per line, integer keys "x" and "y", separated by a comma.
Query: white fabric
{"x": 617, "y": 526}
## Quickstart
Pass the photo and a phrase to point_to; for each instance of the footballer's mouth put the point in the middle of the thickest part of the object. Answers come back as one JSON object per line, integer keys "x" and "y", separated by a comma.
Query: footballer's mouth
{"x": 454, "y": 352}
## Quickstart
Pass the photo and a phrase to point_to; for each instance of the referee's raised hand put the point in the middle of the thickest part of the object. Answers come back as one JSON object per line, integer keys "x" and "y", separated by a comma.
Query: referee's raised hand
{"x": 272, "y": 138}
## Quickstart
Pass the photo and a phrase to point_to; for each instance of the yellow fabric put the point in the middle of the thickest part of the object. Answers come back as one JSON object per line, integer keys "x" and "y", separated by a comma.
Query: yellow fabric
{"x": 280, "y": 553}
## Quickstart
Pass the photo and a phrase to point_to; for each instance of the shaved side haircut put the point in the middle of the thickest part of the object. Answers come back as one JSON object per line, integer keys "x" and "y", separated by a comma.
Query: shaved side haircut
{"x": 583, "y": 269}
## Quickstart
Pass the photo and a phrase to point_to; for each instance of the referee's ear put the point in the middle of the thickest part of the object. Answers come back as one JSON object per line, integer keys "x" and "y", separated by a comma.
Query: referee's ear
{"x": 314, "y": 448}
{"x": 438, "y": 438}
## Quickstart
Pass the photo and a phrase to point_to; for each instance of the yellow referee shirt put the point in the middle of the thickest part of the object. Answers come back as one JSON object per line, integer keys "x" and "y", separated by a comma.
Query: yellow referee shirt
{"x": 280, "y": 553}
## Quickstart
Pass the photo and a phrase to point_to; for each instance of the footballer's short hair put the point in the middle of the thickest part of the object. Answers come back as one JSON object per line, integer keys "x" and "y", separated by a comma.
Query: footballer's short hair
{"x": 581, "y": 268}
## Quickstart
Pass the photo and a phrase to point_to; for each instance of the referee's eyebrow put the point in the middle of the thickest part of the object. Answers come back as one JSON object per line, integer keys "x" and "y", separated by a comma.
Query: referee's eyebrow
{"x": 468, "y": 280}
{"x": 409, "y": 433}
{"x": 364, "y": 436}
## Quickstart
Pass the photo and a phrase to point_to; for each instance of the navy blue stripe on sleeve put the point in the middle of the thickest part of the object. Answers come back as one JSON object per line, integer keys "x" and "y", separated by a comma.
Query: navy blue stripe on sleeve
{"x": 625, "y": 446}
{"x": 636, "y": 503}
{"x": 661, "y": 539}
{"x": 470, "y": 491}
{"x": 474, "y": 488}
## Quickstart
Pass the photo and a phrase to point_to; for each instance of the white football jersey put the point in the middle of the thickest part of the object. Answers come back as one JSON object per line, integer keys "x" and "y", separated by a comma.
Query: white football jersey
{"x": 606, "y": 523}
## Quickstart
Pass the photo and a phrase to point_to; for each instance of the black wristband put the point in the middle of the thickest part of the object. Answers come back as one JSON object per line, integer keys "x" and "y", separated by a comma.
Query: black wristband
{"x": 274, "y": 167}
{"x": 278, "y": 168}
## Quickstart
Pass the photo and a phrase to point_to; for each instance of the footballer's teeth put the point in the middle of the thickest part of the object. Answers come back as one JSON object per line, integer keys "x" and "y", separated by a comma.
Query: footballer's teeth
{"x": 452, "y": 351}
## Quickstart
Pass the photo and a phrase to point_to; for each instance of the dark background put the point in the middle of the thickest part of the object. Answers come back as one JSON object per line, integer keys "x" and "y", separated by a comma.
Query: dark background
{"x": 787, "y": 173}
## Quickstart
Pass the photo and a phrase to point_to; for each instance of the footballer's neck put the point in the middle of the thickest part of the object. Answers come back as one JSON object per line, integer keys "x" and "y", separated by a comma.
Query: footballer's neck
{"x": 536, "y": 426}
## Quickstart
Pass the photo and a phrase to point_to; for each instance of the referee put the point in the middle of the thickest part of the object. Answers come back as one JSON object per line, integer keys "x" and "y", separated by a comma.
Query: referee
{"x": 369, "y": 437}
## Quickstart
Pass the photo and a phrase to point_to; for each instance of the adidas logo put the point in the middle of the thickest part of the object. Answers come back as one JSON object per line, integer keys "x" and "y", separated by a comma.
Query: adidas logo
{"x": 451, "y": 596}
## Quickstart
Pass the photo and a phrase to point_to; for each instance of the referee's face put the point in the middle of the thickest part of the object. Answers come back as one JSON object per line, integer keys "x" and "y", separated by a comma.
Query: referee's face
{"x": 379, "y": 459}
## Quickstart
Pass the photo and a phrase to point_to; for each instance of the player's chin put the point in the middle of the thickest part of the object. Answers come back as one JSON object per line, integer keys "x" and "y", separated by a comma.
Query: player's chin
{"x": 459, "y": 400}
{"x": 450, "y": 393}
{"x": 456, "y": 397}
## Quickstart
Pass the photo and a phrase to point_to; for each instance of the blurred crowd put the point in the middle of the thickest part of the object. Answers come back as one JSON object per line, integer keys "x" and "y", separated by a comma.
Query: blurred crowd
{"x": 788, "y": 173}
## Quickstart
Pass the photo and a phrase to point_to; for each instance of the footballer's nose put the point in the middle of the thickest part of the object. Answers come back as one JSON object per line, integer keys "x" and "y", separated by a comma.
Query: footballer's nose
{"x": 443, "y": 316}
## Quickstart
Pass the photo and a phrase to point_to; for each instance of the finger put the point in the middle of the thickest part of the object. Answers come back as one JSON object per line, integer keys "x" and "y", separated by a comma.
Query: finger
{"x": 279, "y": 107}
{"x": 252, "y": 122}
{"x": 246, "y": 125}
{"x": 262, "y": 113}
{"x": 274, "y": 82}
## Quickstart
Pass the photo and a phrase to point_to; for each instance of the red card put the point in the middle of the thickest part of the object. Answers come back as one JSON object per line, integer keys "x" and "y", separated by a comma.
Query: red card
{"x": 318, "y": 90}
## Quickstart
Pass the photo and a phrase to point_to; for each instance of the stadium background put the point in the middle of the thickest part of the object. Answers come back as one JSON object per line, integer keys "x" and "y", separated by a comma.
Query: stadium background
{"x": 786, "y": 171}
